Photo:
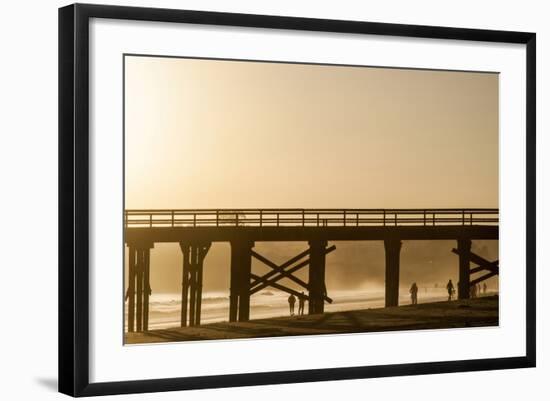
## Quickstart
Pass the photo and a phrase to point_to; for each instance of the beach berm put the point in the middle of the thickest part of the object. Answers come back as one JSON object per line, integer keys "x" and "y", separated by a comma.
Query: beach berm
{"x": 479, "y": 312}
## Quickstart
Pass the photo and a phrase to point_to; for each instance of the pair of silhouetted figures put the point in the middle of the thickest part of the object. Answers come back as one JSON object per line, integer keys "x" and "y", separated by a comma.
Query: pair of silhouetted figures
{"x": 475, "y": 290}
{"x": 301, "y": 304}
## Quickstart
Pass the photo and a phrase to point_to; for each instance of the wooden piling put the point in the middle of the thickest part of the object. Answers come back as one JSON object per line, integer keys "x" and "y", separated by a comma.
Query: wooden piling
{"x": 393, "y": 250}
{"x": 199, "y": 295}
{"x": 139, "y": 291}
{"x": 193, "y": 286}
{"x": 233, "y": 284}
{"x": 146, "y": 288}
{"x": 316, "y": 284}
{"x": 184, "y": 283}
{"x": 241, "y": 265}
{"x": 464, "y": 247}
{"x": 139, "y": 286}
{"x": 201, "y": 254}
{"x": 131, "y": 288}
{"x": 245, "y": 267}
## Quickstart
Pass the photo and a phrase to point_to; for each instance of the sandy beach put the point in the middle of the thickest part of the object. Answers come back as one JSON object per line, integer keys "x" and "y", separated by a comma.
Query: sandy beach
{"x": 478, "y": 312}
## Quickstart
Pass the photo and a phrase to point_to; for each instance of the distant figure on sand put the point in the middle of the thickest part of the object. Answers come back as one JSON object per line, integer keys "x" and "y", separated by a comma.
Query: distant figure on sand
{"x": 301, "y": 304}
{"x": 291, "y": 302}
{"x": 414, "y": 293}
{"x": 450, "y": 289}
{"x": 473, "y": 291}
{"x": 484, "y": 288}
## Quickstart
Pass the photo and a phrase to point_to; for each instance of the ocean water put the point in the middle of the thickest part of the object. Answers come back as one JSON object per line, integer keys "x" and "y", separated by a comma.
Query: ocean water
{"x": 164, "y": 309}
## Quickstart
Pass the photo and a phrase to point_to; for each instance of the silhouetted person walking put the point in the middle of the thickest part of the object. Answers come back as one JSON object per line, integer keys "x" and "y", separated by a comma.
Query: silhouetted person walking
{"x": 291, "y": 302}
{"x": 450, "y": 289}
{"x": 484, "y": 288}
{"x": 301, "y": 304}
{"x": 414, "y": 293}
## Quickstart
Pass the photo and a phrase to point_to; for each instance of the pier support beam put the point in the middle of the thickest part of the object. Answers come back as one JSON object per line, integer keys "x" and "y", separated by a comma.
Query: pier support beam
{"x": 139, "y": 286}
{"x": 186, "y": 251}
{"x": 316, "y": 285}
{"x": 191, "y": 282}
{"x": 146, "y": 288}
{"x": 234, "y": 285}
{"x": 239, "y": 292}
{"x": 393, "y": 250}
{"x": 464, "y": 247}
{"x": 139, "y": 290}
{"x": 193, "y": 286}
{"x": 131, "y": 291}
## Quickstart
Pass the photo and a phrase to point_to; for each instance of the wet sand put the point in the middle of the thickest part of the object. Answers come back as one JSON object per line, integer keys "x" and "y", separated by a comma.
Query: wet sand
{"x": 478, "y": 312}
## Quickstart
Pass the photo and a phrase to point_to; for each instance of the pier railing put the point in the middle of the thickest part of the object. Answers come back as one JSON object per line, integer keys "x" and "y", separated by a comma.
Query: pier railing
{"x": 308, "y": 217}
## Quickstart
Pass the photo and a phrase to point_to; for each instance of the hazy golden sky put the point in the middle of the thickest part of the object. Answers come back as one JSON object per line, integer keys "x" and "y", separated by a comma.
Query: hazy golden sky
{"x": 229, "y": 134}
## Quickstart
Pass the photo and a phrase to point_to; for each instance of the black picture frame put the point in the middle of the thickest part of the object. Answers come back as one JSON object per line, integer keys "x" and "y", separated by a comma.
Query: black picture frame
{"x": 74, "y": 198}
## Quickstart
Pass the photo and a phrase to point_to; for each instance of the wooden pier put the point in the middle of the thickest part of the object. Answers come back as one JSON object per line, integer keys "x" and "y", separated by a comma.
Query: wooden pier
{"x": 196, "y": 230}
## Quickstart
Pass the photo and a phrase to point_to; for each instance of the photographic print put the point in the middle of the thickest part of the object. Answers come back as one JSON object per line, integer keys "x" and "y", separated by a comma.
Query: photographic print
{"x": 268, "y": 199}
{"x": 235, "y": 189}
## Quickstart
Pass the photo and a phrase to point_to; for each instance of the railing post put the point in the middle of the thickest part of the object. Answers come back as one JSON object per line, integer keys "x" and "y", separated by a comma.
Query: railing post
{"x": 237, "y": 219}
{"x": 384, "y": 217}
{"x": 217, "y": 218}
{"x": 424, "y": 217}
{"x": 261, "y": 218}
{"x": 303, "y": 217}
{"x": 463, "y": 221}
{"x": 317, "y": 219}
{"x": 172, "y": 218}
{"x": 195, "y": 219}
{"x": 151, "y": 220}
{"x": 395, "y": 218}
{"x": 357, "y": 219}
{"x": 277, "y": 219}
{"x": 344, "y": 218}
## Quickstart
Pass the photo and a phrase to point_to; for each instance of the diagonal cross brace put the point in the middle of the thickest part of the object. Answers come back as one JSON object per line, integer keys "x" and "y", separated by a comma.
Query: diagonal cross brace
{"x": 278, "y": 269}
{"x": 266, "y": 283}
{"x": 483, "y": 264}
{"x": 482, "y": 278}
{"x": 492, "y": 266}
{"x": 274, "y": 266}
{"x": 263, "y": 282}
{"x": 283, "y": 288}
